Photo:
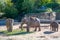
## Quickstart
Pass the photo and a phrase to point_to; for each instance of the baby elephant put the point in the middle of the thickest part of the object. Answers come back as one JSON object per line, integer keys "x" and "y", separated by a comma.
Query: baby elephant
{"x": 54, "y": 26}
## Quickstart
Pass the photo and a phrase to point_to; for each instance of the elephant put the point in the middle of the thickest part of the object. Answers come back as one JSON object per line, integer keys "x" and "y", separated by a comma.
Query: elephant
{"x": 31, "y": 22}
{"x": 54, "y": 26}
{"x": 9, "y": 24}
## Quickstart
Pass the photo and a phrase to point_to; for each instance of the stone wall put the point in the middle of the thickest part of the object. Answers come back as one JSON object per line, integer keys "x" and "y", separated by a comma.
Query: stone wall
{"x": 58, "y": 16}
{"x": 43, "y": 15}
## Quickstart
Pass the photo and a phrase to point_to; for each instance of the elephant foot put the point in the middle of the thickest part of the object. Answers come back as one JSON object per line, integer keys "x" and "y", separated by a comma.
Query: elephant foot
{"x": 39, "y": 30}
{"x": 35, "y": 30}
{"x": 57, "y": 31}
{"x": 27, "y": 30}
{"x": 21, "y": 29}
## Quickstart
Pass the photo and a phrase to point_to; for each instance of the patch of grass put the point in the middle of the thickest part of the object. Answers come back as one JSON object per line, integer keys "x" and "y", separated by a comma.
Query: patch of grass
{"x": 15, "y": 32}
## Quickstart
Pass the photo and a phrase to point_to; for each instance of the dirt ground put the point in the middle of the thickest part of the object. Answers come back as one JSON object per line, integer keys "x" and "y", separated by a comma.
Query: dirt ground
{"x": 44, "y": 34}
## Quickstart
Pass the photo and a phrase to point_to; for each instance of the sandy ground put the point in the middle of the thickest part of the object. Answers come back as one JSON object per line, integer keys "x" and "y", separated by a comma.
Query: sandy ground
{"x": 38, "y": 35}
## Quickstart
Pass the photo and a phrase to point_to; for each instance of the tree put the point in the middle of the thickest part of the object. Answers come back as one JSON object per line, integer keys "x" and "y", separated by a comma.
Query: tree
{"x": 10, "y": 12}
{"x": 42, "y": 2}
{"x": 23, "y": 7}
{"x": 7, "y": 7}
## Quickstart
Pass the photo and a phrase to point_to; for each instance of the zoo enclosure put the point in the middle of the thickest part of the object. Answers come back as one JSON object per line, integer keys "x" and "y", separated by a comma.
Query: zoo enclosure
{"x": 45, "y": 16}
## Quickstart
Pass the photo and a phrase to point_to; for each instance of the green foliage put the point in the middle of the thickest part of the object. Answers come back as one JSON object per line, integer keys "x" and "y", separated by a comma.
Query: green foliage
{"x": 10, "y": 12}
{"x": 42, "y": 2}
{"x": 28, "y": 5}
{"x": 8, "y": 9}
{"x": 18, "y": 8}
{"x": 15, "y": 32}
{"x": 53, "y": 5}
{"x": 57, "y": 1}
{"x": 1, "y": 7}
{"x": 48, "y": 10}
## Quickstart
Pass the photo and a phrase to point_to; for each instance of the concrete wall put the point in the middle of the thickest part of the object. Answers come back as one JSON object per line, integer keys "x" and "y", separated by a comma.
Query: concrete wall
{"x": 58, "y": 16}
{"x": 43, "y": 15}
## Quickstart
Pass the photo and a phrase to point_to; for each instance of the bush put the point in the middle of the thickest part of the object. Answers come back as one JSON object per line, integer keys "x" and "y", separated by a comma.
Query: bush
{"x": 10, "y": 12}
{"x": 48, "y": 10}
{"x": 53, "y": 5}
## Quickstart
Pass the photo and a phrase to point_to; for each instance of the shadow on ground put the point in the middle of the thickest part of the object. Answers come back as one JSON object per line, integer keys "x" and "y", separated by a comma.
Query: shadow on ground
{"x": 1, "y": 33}
{"x": 17, "y": 33}
{"x": 20, "y": 33}
{"x": 48, "y": 32}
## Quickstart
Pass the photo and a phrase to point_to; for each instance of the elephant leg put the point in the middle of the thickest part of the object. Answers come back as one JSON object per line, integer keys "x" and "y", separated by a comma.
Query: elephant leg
{"x": 22, "y": 26}
{"x": 56, "y": 29}
{"x": 39, "y": 28}
{"x": 27, "y": 28}
{"x": 52, "y": 29}
{"x": 35, "y": 28}
{"x": 8, "y": 28}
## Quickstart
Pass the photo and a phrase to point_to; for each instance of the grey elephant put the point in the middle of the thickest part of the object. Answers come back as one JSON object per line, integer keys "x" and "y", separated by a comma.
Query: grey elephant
{"x": 31, "y": 21}
{"x": 54, "y": 26}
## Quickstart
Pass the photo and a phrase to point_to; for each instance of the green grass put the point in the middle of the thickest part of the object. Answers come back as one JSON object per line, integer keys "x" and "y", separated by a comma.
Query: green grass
{"x": 15, "y": 32}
